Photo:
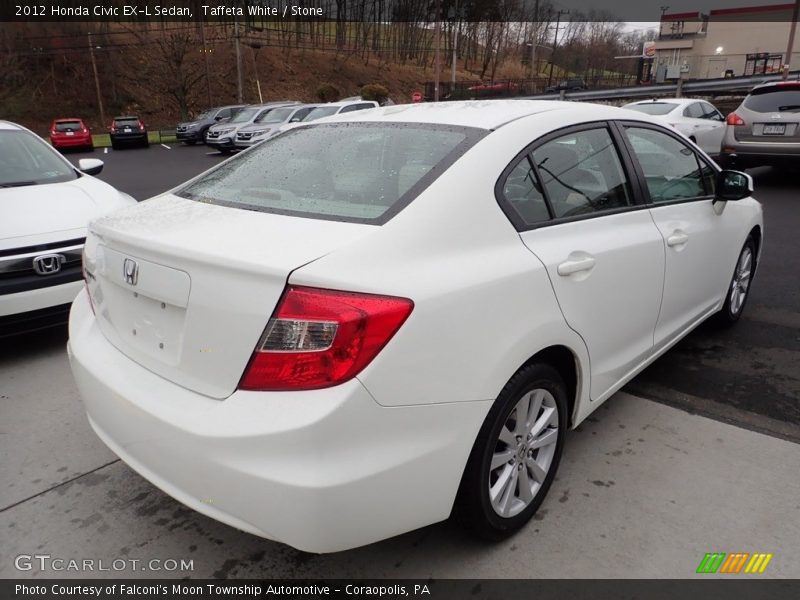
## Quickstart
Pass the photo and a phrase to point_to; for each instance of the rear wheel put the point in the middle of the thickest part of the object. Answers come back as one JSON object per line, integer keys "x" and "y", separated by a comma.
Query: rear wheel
{"x": 739, "y": 287}
{"x": 516, "y": 454}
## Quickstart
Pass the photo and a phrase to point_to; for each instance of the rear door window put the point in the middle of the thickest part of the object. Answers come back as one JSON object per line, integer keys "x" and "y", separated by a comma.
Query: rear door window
{"x": 523, "y": 193}
{"x": 694, "y": 110}
{"x": 356, "y": 172}
{"x": 582, "y": 173}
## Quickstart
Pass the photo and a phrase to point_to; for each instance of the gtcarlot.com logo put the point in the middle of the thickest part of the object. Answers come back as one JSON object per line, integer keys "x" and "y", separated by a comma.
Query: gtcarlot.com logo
{"x": 47, "y": 562}
{"x": 734, "y": 563}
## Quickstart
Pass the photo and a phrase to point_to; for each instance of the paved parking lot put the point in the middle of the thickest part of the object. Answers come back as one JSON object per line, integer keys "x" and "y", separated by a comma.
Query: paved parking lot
{"x": 647, "y": 485}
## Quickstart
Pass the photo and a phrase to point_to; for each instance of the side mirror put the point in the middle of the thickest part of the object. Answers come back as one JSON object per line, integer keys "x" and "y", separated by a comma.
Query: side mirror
{"x": 733, "y": 185}
{"x": 90, "y": 166}
{"x": 218, "y": 118}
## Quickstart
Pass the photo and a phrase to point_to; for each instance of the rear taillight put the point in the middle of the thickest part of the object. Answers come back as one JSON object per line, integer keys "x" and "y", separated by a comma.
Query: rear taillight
{"x": 318, "y": 338}
{"x": 141, "y": 125}
{"x": 86, "y": 276}
{"x": 735, "y": 120}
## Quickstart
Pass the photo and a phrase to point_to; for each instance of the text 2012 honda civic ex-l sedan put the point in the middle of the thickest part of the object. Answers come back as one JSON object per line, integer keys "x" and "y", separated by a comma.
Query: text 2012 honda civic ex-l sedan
{"x": 365, "y": 324}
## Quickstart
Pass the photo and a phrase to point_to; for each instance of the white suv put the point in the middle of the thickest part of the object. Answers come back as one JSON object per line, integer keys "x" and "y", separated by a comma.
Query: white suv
{"x": 45, "y": 205}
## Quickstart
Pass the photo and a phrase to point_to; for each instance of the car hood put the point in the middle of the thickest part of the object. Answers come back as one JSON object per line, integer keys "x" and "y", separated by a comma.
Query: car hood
{"x": 259, "y": 126}
{"x": 40, "y": 213}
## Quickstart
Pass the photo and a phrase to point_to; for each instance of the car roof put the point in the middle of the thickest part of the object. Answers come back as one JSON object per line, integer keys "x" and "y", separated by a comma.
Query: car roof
{"x": 791, "y": 83}
{"x": 66, "y": 119}
{"x": 676, "y": 101}
{"x": 483, "y": 114}
{"x": 11, "y": 126}
{"x": 126, "y": 117}
{"x": 345, "y": 102}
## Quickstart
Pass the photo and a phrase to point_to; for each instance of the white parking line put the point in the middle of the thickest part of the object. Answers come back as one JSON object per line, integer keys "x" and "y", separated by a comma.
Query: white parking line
{"x": 105, "y": 150}
{"x": 167, "y": 147}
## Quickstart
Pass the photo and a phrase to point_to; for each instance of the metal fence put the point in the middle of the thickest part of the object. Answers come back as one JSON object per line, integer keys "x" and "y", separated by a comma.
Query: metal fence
{"x": 509, "y": 88}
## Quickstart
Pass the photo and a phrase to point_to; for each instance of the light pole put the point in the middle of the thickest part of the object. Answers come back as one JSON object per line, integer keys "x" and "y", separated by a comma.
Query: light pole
{"x": 255, "y": 48}
{"x": 790, "y": 47}
{"x": 96, "y": 81}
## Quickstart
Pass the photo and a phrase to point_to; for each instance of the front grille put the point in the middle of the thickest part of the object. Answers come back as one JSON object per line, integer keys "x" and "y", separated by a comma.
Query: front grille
{"x": 34, "y": 320}
{"x": 181, "y": 128}
{"x": 244, "y": 136}
{"x": 18, "y": 272}
{"x": 213, "y": 134}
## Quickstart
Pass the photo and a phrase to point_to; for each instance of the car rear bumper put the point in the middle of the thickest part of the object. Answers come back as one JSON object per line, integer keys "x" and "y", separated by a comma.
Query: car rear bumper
{"x": 71, "y": 142}
{"x": 753, "y": 153}
{"x": 128, "y": 138}
{"x": 321, "y": 470}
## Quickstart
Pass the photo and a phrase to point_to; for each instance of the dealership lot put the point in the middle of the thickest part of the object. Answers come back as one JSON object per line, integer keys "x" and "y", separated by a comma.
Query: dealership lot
{"x": 645, "y": 489}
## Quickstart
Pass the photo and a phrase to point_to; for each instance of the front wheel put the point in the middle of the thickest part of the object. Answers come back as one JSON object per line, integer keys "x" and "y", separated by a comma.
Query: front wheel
{"x": 739, "y": 287}
{"x": 516, "y": 454}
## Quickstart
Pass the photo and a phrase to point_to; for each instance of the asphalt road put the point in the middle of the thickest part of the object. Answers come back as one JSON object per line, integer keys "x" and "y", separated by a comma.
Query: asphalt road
{"x": 644, "y": 489}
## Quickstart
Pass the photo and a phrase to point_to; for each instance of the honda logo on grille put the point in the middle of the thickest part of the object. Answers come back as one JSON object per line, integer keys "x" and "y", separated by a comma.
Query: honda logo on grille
{"x": 47, "y": 264}
{"x": 130, "y": 269}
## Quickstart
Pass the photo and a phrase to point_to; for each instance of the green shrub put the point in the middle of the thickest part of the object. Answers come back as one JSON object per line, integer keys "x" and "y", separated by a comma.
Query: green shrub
{"x": 328, "y": 92}
{"x": 376, "y": 92}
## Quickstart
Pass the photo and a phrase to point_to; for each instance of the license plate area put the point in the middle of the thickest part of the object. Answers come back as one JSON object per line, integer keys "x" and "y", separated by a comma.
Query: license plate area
{"x": 774, "y": 129}
{"x": 70, "y": 133}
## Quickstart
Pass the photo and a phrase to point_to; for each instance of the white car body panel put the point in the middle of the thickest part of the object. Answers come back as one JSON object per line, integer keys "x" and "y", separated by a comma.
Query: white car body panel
{"x": 330, "y": 469}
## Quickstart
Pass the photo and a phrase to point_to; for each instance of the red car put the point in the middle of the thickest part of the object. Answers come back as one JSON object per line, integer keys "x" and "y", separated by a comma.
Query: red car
{"x": 70, "y": 133}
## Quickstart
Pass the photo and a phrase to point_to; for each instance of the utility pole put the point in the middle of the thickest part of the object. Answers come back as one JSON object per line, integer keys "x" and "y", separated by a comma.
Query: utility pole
{"x": 239, "y": 86}
{"x": 555, "y": 45}
{"x": 455, "y": 46}
{"x": 790, "y": 47}
{"x": 534, "y": 41}
{"x": 205, "y": 57}
{"x": 437, "y": 67}
{"x": 255, "y": 48}
{"x": 96, "y": 81}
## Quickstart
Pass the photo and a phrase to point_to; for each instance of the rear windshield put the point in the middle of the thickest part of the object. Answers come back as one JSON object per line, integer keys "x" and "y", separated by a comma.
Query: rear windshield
{"x": 321, "y": 111}
{"x": 68, "y": 126}
{"x": 245, "y": 115}
{"x": 355, "y": 172}
{"x": 276, "y": 115}
{"x": 27, "y": 160}
{"x": 127, "y": 122}
{"x": 785, "y": 99}
{"x": 653, "y": 108}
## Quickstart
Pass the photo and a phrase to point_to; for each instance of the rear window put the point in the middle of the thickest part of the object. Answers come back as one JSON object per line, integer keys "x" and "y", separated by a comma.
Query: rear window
{"x": 355, "y": 172}
{"x": 127, "y": 122}
{"x": 68, "y": 126}
{"x": 777, "y": 99}
{"x": 653, "y": 108}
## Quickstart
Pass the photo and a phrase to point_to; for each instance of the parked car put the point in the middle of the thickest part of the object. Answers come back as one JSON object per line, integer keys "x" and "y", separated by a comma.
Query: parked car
{"x": 698, "y": 120}
{"x": 765, "y": 129}
{"x": 223, "y": 136}
{"x": 569, "y": 85}
{"x": 70, "y": 133}
{"x": 128, "y": 131}
{"x": 45, "y": 205}
{"x": 335, "y": 108}
{"x": 191, "y": 132}
{"x": 370, "y": 321}
{"x": 269, "y": 122}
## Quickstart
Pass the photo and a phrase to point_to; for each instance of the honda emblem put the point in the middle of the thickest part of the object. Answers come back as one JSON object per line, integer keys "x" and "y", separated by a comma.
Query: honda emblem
{"x": 47, "y": 264}
{"x": 130, "y": 270}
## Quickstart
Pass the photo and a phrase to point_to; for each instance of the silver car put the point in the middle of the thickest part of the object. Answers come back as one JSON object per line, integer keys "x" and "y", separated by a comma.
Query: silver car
{"x": 267, "y": 123}
{"x": 765, "y": 129}
{"x": 222, "y": 136}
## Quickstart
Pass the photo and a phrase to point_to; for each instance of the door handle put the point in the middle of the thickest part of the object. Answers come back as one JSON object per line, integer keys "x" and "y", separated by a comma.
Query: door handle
{"x": 677, "y": 238}
{"x": 568, "y": 267}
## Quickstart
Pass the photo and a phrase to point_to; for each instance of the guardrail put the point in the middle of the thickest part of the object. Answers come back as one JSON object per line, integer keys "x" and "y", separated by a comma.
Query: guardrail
{"x": 704, "y": 86}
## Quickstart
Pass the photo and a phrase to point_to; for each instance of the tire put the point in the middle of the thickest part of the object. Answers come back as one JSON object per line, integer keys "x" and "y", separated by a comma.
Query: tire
{"x": 738, "y": 290}
{"x": 487, "y": 507}
{"x": 225, "y": 151}
{"x": 190, "y": 142}
{"x": 114, "y": 146}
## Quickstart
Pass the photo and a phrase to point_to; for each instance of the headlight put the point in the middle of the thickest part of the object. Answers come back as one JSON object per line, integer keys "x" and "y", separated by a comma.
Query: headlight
{"x": 260, "y": 132}
{"x": 191, "y": 125}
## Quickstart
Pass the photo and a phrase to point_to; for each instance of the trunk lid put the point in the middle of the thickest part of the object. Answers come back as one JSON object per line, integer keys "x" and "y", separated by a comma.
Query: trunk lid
{"x": 185, "y": 289}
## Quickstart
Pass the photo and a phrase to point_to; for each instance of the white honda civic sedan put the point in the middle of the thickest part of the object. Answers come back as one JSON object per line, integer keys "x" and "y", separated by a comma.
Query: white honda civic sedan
{"x": 697, "y": 119}
{"x": 365, "y": 324}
